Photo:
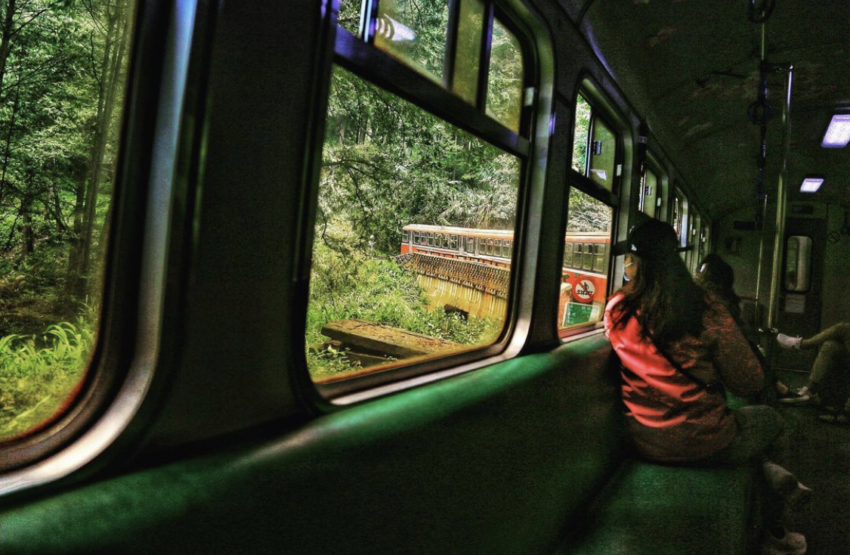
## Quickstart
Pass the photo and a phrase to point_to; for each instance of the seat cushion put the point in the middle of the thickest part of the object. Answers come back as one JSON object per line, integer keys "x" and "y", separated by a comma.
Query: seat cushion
{"x": 668, "y": 510}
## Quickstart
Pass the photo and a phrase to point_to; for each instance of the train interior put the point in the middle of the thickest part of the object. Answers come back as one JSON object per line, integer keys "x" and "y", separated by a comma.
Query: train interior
{"x": 293, "y": 181}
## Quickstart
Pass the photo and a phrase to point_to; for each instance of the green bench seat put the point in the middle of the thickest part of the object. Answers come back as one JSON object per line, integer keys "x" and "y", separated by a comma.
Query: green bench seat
{"x": 667, "y": 510}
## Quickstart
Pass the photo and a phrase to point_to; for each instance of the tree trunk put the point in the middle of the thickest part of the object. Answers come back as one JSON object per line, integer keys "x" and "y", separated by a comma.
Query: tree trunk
{"x": 6, "y": 38}
{"x": 7, "y": 149}
{"x": 28, "y": 244}
{"x": 88, "y": 187}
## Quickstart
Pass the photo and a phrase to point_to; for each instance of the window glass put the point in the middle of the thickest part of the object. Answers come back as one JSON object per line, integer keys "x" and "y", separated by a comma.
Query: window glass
{"x": 468, "y": 57}
{"x": 580, "y": 134}
{"x": 414, "y": 31}
{"x": 677, "y": 215}
{"x": 603, "y": 154}
{"x": 349, "y": 16}
{"x": 505, "y": 81}
{"x": 600, "y": 258}
{"x": 649, "y": 193}
{"x": 693, "y": 241}
{"x": 584, "y": 278}
{"x": 587, "y": 261}
{"x": 568, "y": 254}
{"x": 60, "y": 138}
{"x": 368, "y": 308}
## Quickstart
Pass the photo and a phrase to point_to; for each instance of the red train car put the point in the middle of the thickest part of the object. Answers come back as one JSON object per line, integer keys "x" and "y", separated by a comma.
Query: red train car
{"x": 585, "y": 267}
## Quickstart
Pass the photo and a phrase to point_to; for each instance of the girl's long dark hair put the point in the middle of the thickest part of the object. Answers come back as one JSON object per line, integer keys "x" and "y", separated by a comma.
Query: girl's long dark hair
{"x": 664, "y": 299}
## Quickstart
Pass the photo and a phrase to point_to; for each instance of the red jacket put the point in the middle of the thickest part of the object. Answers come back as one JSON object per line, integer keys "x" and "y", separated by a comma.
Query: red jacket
{"x": 670, "y": 417}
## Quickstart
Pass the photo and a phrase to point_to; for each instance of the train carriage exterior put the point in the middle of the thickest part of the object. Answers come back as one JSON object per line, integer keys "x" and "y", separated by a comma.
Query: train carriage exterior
{"x": 328, "y": 276}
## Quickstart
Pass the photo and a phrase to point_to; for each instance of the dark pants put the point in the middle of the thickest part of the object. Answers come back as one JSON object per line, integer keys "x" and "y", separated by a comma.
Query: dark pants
{"x": 760, "y": 439}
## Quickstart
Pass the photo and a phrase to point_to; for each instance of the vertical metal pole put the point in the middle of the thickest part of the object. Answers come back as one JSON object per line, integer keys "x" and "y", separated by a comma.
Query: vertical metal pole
{"x": 761, "y": 260}
{"x": 781, "y": 201}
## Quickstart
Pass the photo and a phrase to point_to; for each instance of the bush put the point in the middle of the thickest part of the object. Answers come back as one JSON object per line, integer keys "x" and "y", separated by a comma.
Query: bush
{"x": 346, "y": 284}
{"x": 38, "y": 373}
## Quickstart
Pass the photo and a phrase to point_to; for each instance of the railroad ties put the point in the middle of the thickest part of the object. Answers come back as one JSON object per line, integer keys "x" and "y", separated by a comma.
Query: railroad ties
{"x": 369, "y": 343}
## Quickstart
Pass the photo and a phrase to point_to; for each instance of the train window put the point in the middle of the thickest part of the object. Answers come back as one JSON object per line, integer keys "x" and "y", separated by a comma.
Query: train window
{"x": 505, "y": 82}
{"x": 603, "y": 154}
{"x": 798, "y": 262}
{"x": 369, "y": 313}
{"x": 587, "y": 260}
{"x": 470, "y": 245}
{"x": 580, "y": 134}
{"x": 585, "y": 268}
{"x": 649, "y": 193}
{"x": 415, "y": 33}
{"x": 594, "y": 146}
{"x": 453, "y": 244}
{"x": 693, "y": 240}
{"x": 60, "y": 133}
{"x": 600, "y": 258}
{"x": 680, "y": 220}
{"x": 702, "y": 243}
{"x": 568, "y": 254}
{"x": 468, "y": 59}
{"x": 349, "y": 15}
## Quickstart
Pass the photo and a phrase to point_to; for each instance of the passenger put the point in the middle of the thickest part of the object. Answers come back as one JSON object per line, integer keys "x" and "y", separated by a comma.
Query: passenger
{"x": 679, "y": 347}
{"x": 717, "y": 277}
{"x": 833, "y": 346}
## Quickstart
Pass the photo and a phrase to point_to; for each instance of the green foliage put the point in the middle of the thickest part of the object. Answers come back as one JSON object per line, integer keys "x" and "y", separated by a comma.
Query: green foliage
{"x": 62, "y": 71}
{"x": 387, "y": 163}
{"x": 346, "y": 284}
{"x": 588, "y": 214}
{"x": 505, "y": 81}
{"x": 37, "y": 372}
{"x": 580, "y": 133}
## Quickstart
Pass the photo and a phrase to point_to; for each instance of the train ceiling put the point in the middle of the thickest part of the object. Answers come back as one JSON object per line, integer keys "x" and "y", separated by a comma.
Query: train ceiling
{"x": 690, "y": 68}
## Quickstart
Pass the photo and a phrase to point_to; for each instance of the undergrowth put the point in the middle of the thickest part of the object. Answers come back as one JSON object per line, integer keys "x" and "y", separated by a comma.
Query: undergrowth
{"x": 346, "y": 284}
{"x": 38, "y": 373}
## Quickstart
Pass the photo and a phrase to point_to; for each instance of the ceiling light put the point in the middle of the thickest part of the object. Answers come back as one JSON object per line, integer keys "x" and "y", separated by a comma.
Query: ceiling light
{"x": 811, "y": 184}
{"x": 838, "y": 132}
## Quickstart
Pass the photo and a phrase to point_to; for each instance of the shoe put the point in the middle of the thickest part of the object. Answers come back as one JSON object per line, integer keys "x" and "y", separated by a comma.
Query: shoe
{"x": 798, "y": 396}
{"x": 788, "y": 342}
{"x": 842, "y": 418}
{"x": 791, "y": 543}
{"x": 799, "y": 497}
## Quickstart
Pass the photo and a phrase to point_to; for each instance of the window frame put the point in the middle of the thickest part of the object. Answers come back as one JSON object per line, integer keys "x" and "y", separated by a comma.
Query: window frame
{"x": 652, "y": 165}
{"x": 382, "y": 70}
{"x": 123, "y": 365}
{"x": 600, "y": 109}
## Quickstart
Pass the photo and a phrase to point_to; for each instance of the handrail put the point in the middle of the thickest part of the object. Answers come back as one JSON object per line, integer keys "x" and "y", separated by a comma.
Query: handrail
{"x": 781, "y": 202}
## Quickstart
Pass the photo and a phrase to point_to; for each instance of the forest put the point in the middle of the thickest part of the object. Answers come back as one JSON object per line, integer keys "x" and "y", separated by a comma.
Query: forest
{"x": 63, "y": 67}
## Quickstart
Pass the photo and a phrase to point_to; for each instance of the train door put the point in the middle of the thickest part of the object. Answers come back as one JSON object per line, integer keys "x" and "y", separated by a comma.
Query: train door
{"x": 800, "y": 293}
